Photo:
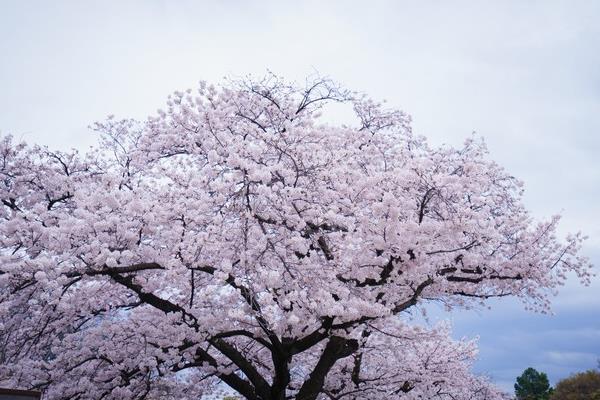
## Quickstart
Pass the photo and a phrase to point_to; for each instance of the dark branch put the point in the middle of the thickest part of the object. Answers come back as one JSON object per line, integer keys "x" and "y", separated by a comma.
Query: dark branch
{"x": 336, "y": 348}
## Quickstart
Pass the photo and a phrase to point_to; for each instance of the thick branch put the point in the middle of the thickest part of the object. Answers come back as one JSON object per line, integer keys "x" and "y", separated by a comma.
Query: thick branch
{"x": 238, "y": 384}
{"x": 300, "y": 345}
{"x": 149, "y": 298}
{"x": 116, "y": 270}
{"x": 261, "y": 385}
{"x": 414, "y": 298}
{"x": 336, "y": 348}
{"x": 384, "y": 275}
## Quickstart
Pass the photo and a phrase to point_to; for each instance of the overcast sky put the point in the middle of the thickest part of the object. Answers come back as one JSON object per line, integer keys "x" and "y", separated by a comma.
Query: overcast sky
{"x": 525, "y": 75}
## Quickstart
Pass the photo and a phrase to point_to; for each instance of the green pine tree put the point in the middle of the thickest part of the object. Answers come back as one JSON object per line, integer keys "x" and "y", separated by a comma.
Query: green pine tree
{"x": 533, "y": 385}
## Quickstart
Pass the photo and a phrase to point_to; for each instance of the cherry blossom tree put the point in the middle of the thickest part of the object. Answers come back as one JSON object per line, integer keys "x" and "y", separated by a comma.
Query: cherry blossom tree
{"x": 237, "y": 242}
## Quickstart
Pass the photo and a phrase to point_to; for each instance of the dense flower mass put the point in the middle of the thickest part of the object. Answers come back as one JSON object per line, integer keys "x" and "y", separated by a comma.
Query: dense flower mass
{"x": 236, "y": 240}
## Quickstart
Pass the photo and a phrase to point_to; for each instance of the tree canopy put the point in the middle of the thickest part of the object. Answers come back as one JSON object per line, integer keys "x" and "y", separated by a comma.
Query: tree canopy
{"x": 581, "y": 386}
{"x": 235, "y": 238}
{"x": 533, "y": 385}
